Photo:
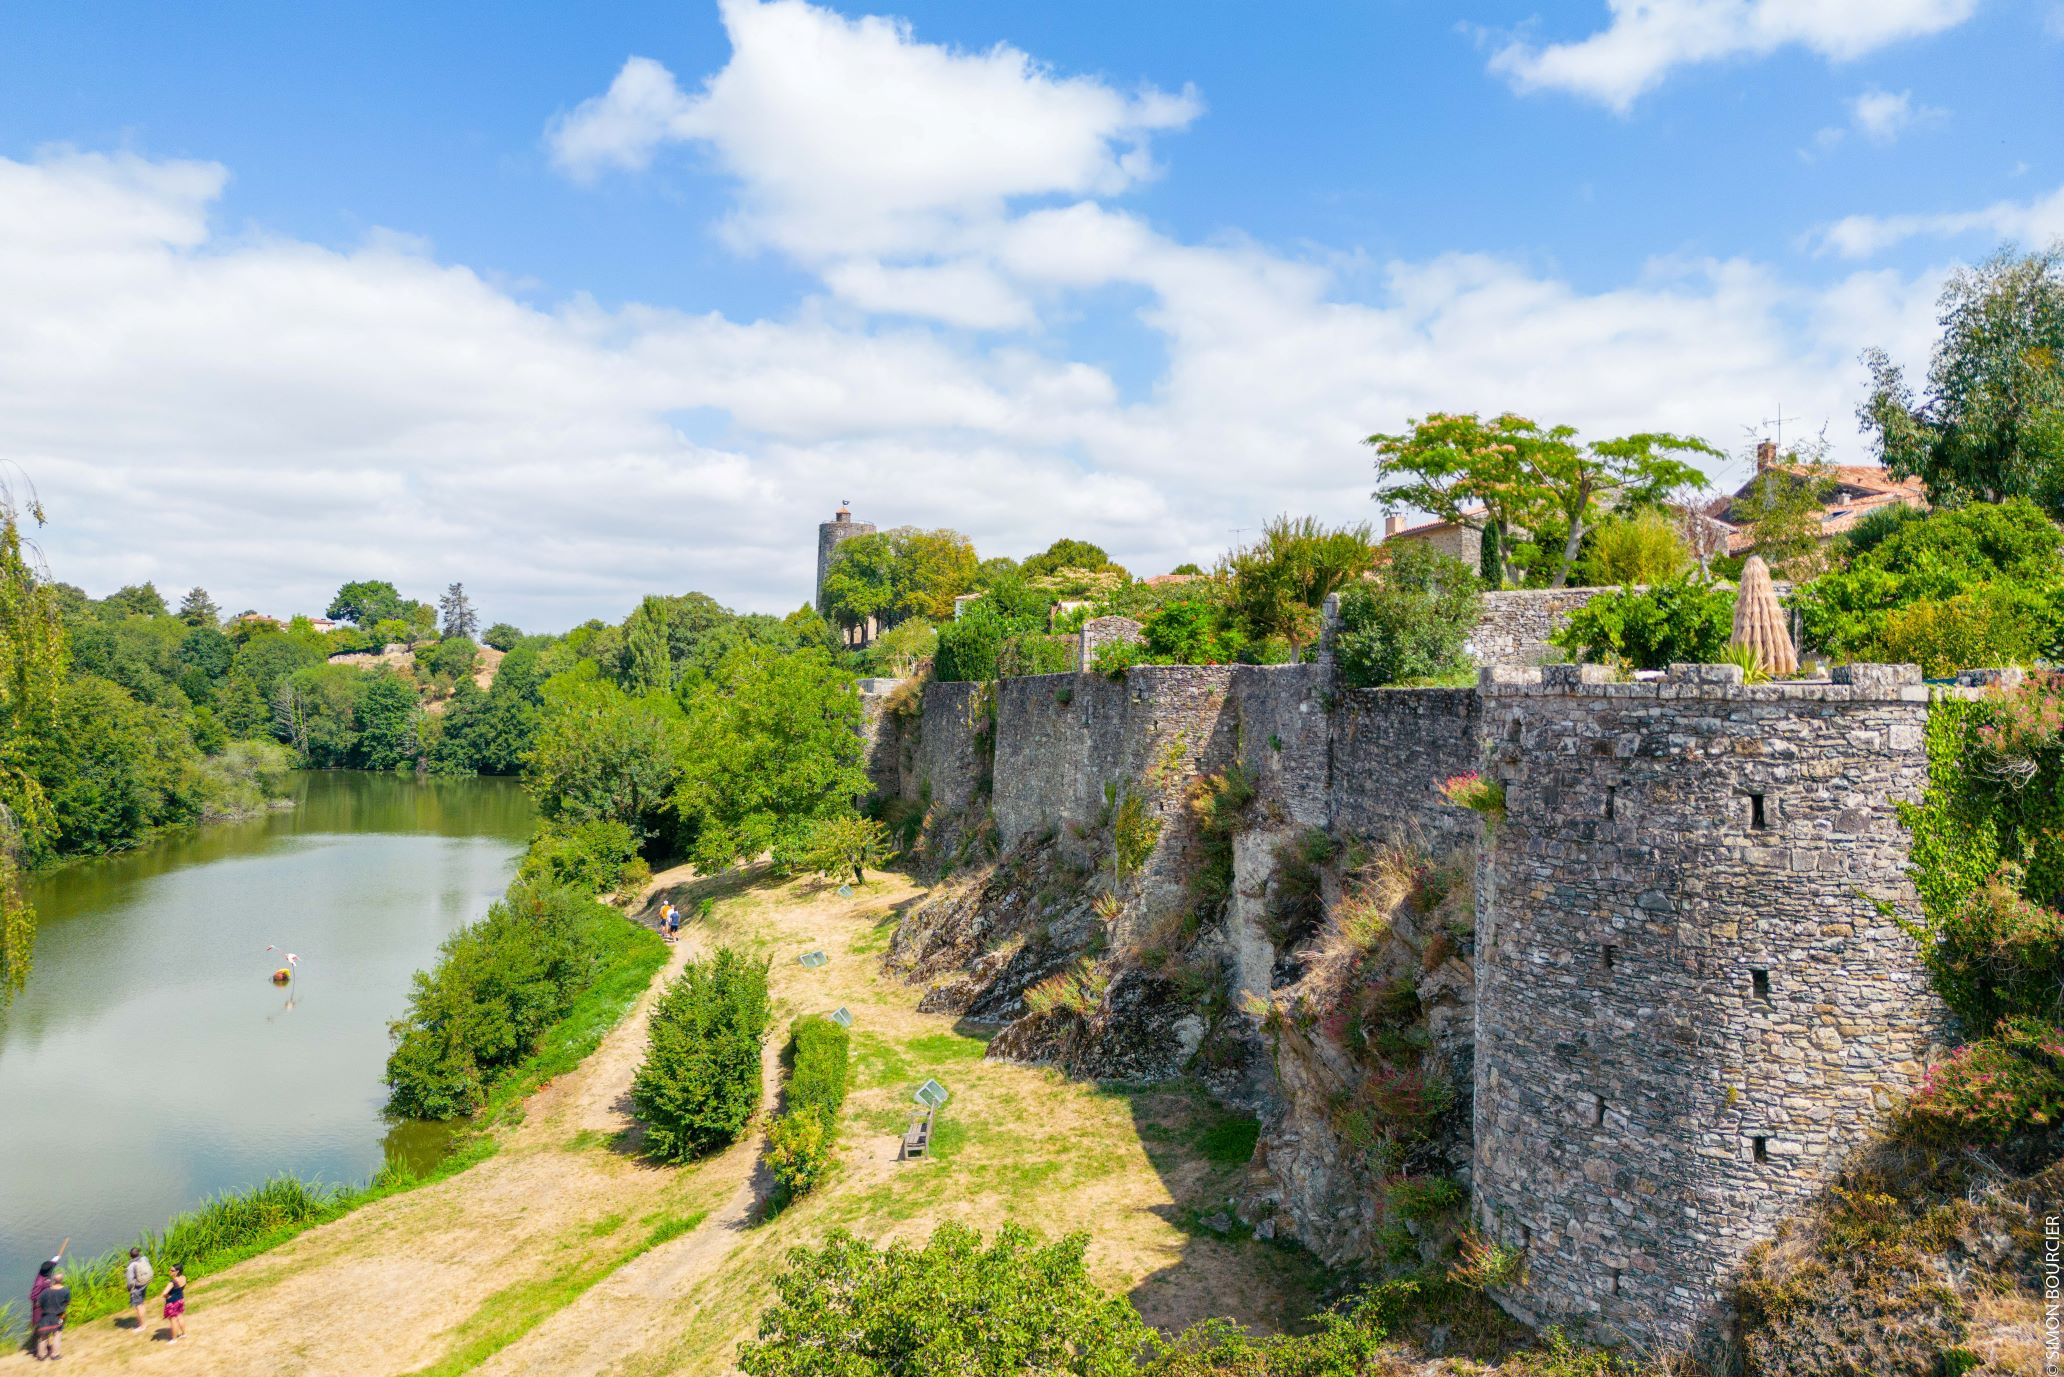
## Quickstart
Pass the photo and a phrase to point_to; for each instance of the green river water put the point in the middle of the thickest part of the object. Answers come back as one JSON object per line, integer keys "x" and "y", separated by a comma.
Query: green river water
{"x": 151, "y": 1063}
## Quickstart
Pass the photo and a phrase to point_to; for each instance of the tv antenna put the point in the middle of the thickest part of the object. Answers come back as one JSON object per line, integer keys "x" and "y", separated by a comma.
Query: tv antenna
{"x": 1778, "y": 421}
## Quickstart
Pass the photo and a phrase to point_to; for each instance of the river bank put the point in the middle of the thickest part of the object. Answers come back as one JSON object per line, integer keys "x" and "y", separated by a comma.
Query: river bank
{"x": 153, "y": 1065}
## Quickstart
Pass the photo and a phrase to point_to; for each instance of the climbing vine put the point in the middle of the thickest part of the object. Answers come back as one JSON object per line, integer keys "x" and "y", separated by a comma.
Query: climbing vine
{"x": 1988, "y": 863}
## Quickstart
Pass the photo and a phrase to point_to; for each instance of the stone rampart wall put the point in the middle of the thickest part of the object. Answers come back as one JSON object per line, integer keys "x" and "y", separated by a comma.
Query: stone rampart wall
{"x": 1392, "y": 748}
{"x": 1689, "y": 1004}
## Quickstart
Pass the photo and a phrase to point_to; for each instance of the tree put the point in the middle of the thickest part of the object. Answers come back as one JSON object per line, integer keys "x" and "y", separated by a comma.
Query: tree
{"x": 1411, "y": 621}
{"x": 1018, "y": 1306}
{"x": 699, "y": 1084}
{"x": 841, "y": 844}
{"x": 1991, "y": 422}
{"x": 1513, "y": 475}
{"x": 772, "y": 745}
{"x": 1629, "y": 474}
{"x": 1647, "y": 547}
{"x": 891, "y": 575}
{"x": 605, "y": 754}
{"x": 136, "y": 600}
{"x": 1465, "y": 470}
{"x": 646, "y": 665}
{"x": 457, "y": 610}
{"x": 1783, "y": 508}
{"x": 32, "y": 673}
{"x": 1066, "y": 554}
{"x": 368, "y": 602}
{"x": 1280, "y": 582}
{"x": 198, "y": 609}
{"x": 386, "y": 717}
{"x": 502, "y": 636}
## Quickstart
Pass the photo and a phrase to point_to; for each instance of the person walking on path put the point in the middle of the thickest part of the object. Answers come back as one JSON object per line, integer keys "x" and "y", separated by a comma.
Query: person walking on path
{"x": 673, "y": 918}
{"x": 175, "y": 1303}
{"x": 138, "y": 1275}
{"x": 50, "y": 1316}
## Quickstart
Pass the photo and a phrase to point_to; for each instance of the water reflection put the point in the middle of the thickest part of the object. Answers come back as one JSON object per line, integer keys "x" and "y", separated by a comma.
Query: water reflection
{"x": 151, "y": 1062}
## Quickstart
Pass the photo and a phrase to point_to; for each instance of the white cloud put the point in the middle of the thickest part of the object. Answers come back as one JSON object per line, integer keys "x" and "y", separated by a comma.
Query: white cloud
{"x": 851, "y": 137}
{"x": 1648, "y": 39}
{"x": 1877, "y": 116}
{"x": 2029, "y": 222}
{"x": 270, "y": 418}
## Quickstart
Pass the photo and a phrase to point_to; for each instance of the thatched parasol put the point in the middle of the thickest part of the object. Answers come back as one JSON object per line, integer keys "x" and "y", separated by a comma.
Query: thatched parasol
{"x": 1759, "y": 622}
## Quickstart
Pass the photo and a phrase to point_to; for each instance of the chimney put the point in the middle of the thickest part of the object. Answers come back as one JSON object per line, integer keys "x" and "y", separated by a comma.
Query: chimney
{"x": 1392, "y": 525}
{"x": 1766, "y": 455}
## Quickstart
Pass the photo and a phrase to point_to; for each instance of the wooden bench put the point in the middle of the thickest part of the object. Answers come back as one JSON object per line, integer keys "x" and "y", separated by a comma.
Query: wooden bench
{"x": 918, "y": 1141}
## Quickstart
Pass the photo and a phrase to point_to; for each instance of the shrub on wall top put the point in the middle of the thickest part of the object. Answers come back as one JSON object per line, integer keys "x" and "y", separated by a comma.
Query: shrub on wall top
{"x": 1679, "y": 622}
{"x": 1411, "y": 621}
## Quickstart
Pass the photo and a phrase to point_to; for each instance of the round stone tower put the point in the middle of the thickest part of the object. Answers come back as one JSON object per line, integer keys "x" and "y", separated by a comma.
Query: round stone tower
{"x": 1693, "y": 998}
{"x": 829, "y": 534}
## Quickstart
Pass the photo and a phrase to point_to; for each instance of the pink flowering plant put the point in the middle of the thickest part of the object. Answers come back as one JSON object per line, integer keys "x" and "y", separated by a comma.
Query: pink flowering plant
{"x": 2008, "y": 1084}
{"x": 1474, "y": 792}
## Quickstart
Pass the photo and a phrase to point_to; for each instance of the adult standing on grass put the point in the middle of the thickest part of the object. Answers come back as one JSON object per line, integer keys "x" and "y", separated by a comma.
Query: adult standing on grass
{"x": 50, "y": 1316}
{"x": 175, "y": 1303}
{"x": 138, "y": 1275}
{"x": 42, "y": 1284}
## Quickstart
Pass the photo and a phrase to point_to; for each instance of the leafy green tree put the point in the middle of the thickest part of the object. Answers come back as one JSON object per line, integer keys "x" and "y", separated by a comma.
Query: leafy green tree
{"x": 315, "y": 711}
{"x": 452, "y": 659}
{"x": 1280, "y": 582}
{"x": 457, "y": 612}
{"x": 1511, "y": 475}
{"x": 32, "y": 674}
{"x": 1782, "y": 509}
{"x": 1979, "y": 582}
{"x": 197, "y": 609}
{"x": 502, "y": 636}
{"x": 891, "y": 575}
{"x": 1017, "y": 1306}
{"x": 387, "y": 715}
{"x": 603, "y": 754}
{"x": 699, "y": 1084}
{"x": 903, "y": 647}
{"x": 1065, "y": 554}
{"x": 841, "y": 845}
{"x": 262, "y": 663}
{"x": 647, "y": 665}
{"x": 772, "y": 745}
{"x": 367, "y": 602}
{"x": 1412, "y": 621}
{"x": 1474, "y": 473}
{"x": 114, "y": 769}
{"x": 137, "y": 600}
{"x": 1186, "y": 568}
{"x": 205, "y": 658}
{"x": 1990, "y": 424}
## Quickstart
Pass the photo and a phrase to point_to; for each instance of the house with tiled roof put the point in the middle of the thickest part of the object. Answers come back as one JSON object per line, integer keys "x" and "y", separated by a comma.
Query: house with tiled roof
{"x": 1859, "y": 490}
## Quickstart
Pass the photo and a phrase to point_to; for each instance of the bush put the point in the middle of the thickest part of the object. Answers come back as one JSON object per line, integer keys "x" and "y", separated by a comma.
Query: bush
{"x": 502, "y": 636}
{"x": 1035, "y": 652}
{"x": 1997, "y": 562}
{"x": 1644, "y": 548}
{"x": 245, "y": 778}
{"x": 968, "y": 647}
{"x": 800, "y": 1142}
{"x": 1679, "y": 622}
{"x": 700, "y": 1083}
{"x": 498, "y": 984}
{"x": 953, "y": 1306}
{"x": 597, "y": 857}
{"x": 1412, "y": 621}
{"x": 2009, "y": 1083}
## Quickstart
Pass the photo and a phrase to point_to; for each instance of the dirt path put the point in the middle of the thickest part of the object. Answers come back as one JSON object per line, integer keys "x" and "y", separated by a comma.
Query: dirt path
{"x": 565, "y": 1253}
{"x": 379, "y": 1291}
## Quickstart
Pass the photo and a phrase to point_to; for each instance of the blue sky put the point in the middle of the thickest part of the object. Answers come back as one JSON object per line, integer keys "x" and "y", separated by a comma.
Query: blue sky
{"x": 305, "y": 293}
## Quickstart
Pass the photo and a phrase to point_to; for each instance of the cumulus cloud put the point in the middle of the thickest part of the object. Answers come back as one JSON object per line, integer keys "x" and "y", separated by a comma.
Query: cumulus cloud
{"x": 849, "y": 136}
{"x": 270, "y": 418}
{"x": 1878, "y": 117}
{"x": 2036, "y": 221}
{"x": 1648, "y": 39}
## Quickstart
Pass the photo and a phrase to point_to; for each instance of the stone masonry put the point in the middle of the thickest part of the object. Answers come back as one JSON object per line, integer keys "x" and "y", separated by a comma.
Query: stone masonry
{"x": 1691, "y": 995}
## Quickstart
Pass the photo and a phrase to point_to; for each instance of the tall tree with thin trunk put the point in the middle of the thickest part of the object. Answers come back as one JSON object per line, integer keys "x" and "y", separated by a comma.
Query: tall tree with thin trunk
{"x": 459, "y": 617}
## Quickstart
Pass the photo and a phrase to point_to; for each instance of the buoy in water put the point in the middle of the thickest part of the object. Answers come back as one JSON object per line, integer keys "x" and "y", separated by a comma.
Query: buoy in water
{"x": 282, "y": 976}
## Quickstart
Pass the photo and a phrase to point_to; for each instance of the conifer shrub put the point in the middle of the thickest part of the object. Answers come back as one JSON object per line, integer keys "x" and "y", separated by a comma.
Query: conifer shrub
{"x": 699, "y": 1085}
